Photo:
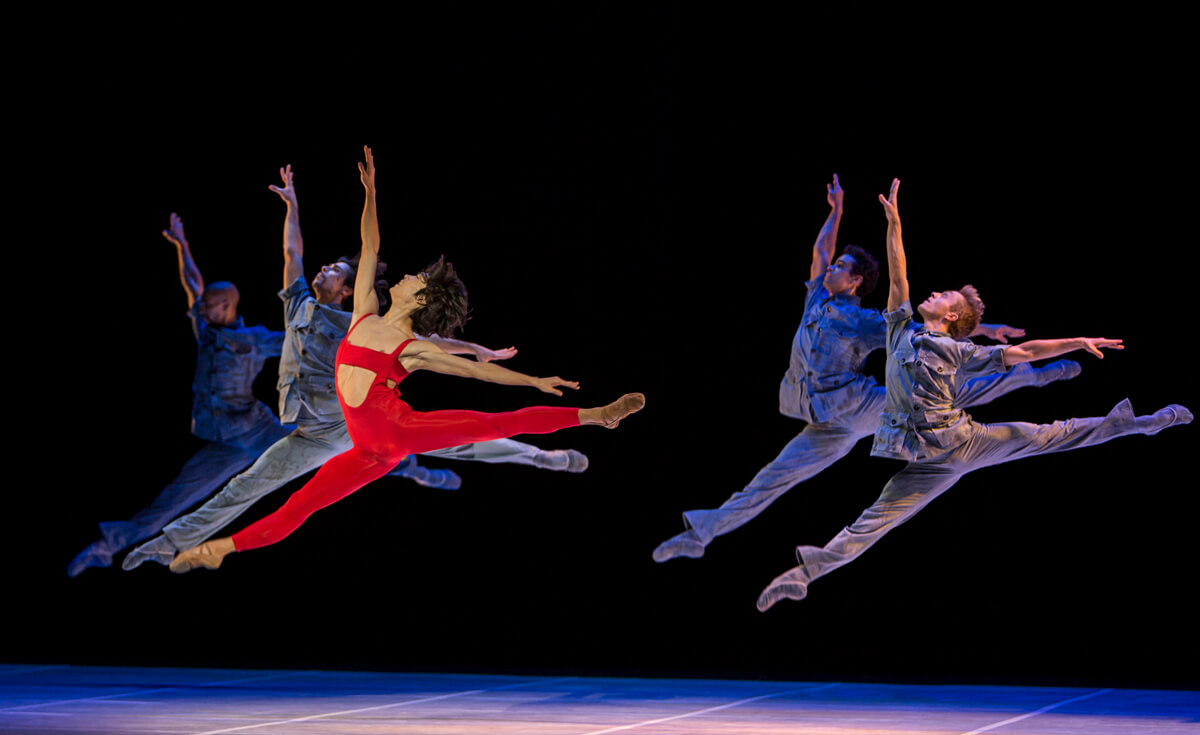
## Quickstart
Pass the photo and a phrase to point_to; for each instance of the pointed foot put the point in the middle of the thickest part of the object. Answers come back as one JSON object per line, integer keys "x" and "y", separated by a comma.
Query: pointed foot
{"x": 561, "y": 460}
{"x": 791, "y": 585}
{"x": 1172, "y": 415}
{"x": 1059, "y": 370}
{"x": 96, "y": 555}
{"x": 158, "y": 549}
{"x": 627, "y": 404}
{"x": 209, "y": 555}
{"x": 685, "y": 544}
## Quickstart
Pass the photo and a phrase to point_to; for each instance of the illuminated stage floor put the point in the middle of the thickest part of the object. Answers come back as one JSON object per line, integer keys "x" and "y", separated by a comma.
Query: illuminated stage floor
{"x": 70, "y": 699}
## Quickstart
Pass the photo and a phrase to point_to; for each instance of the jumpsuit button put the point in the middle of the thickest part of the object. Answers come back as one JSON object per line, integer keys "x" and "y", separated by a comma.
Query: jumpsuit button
{"x": 939, "y": 370}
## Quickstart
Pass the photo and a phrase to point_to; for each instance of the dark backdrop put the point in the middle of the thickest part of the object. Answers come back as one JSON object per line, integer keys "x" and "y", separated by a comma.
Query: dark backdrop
{"x": 631, "y": 196}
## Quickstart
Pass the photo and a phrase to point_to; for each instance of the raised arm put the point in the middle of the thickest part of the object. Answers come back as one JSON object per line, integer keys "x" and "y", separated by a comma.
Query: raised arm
{"x": 427, "y": 356}
{"x": 1040, "y": 349}
{"x": 897, "y": 265}
{"x": 365, "y": 300}
{"x": 189, "y": 274}
{"x": 462, "y": 347}
{"x": 293, "y": 243}
{"x": 826, "y": 242}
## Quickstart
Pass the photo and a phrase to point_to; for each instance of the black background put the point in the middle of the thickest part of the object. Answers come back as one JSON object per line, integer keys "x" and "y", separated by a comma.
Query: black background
{"x": 631, "y": 195}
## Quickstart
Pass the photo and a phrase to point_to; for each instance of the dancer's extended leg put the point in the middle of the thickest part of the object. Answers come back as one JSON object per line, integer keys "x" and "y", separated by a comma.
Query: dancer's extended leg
{"x": 920, "y": 482}
{"x": 204, "y": 472}
{"x": 511, "y": 451}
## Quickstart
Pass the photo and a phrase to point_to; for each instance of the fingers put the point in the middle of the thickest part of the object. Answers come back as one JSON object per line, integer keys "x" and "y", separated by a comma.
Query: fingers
{"x": 835, "y": 181}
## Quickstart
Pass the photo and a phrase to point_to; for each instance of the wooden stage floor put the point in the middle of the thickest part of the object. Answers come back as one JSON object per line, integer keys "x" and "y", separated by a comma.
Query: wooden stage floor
{"x": 132, "y": 701}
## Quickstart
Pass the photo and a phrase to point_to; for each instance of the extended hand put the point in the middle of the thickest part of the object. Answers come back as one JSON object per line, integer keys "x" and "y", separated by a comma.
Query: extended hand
{"x": 288, "y": 191}
{"x": 1002, "y": 332}
{"x": 1094, "y": 344}
{"x": 547, "y": 385}
{"x": 889, "y": 204}
{"x": 834, "y": 194}
{"x": 175, "y": 233}
{"x": 367, "y": 172}
{"x": 486, "y": 355}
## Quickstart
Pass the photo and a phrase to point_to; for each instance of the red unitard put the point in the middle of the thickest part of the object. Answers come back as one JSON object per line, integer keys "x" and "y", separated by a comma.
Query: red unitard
{"x": 385, "y": 430}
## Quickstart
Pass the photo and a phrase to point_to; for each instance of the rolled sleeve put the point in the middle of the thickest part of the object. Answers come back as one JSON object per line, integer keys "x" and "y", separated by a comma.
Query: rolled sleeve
{"x": 293, "y": 298}
{"x": 976, "y": 360}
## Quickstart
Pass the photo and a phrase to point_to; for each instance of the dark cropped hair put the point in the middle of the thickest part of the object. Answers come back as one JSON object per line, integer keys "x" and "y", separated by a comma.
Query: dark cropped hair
{"x": 443, "y": 302}
{"x": 381, "y": 286}
{"x": 866, "y": 266}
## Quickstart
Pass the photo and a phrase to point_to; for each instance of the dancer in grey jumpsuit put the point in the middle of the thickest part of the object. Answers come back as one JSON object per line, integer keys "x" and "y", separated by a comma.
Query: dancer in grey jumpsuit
{"x": 825, "y": 386}
{"x": 315, "y": 327}
{"x": 924, "y": 423}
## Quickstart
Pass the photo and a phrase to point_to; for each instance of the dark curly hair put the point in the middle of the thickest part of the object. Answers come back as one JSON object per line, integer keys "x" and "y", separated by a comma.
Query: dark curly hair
{"x": 443, "y": 302}
{"x": 866, "y": 266}
{"x": 381, "y": 286}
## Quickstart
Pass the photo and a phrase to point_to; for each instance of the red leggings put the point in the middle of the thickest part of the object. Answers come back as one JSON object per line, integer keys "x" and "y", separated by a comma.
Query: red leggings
{"x": 385, "y": 429}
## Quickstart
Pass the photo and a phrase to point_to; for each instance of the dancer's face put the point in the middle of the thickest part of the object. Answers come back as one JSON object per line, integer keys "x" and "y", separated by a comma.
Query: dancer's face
{"x": 942, "y": 305}
{"x": 333, "y": 284}
{"x": 838, "y": 277}
{"x": 406, "y": 289}
{"x": 219, "y": 308}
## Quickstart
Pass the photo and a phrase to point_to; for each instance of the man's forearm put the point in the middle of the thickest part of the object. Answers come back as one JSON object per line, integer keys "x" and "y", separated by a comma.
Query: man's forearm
{"x": 293, "y": 245}
{"x": 189, "y": 274}
{"x": 1040, "y": 349}
{"x": 897, "y": 267}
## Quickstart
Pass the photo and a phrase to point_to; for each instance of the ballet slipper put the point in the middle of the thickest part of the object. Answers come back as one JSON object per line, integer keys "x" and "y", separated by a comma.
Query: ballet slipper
{"x": 611, "y": 415}
{"x": 209, "y": 555}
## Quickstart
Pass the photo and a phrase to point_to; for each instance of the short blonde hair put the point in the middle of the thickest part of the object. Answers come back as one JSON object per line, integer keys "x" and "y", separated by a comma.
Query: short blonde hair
{"x": 969, "y": 314}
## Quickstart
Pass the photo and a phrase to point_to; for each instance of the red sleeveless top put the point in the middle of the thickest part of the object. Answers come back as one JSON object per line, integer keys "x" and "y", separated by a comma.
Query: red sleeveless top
{"x": 385, "y": 365}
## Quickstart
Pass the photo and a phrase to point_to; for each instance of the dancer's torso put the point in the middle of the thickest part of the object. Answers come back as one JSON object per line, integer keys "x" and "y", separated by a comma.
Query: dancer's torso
{"x": 362, "y": 369}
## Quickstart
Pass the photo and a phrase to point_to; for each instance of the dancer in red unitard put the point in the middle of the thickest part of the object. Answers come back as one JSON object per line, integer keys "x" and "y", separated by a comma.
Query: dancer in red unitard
{"x": 379, "y": 352}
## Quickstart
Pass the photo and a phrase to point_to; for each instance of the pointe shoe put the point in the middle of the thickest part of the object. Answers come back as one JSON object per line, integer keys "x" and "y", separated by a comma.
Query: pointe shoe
{"x": 611, "y": 415}
{"x": 685, "y": 544}
{"x": 205, "y": 555}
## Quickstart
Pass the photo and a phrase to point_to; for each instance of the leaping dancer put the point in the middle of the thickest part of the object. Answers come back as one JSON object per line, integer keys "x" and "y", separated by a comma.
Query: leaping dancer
{"x": 924, "y": 422}
{"x": 826, "y": 387}
{"x": 378, "y": 353}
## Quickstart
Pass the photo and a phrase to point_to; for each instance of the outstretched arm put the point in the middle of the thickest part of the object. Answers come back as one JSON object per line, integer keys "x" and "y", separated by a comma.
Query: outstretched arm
{"x": 826, "y": 242}
{"x": 189, "y": 274}
{"x": 293, "y": 243}
{"x": 462, "y": 347}
{"x": 365, "y": 300}
{"x": 897, "y": 265}
{"x": 426, "y": 356}
{"x": 1040, "y": 349}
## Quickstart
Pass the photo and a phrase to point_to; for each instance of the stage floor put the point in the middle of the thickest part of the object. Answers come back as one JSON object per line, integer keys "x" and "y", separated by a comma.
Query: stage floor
{"x": 130, "y": 701}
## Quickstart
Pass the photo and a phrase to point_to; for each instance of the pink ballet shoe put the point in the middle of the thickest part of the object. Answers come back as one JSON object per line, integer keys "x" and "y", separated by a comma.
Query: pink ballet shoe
{"x": 208, "y": 555}
{"x": 611, "y": 415}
